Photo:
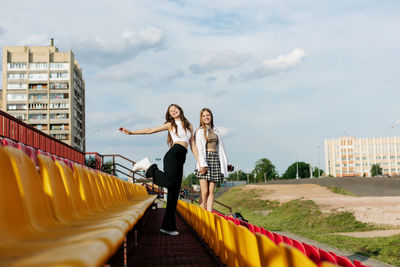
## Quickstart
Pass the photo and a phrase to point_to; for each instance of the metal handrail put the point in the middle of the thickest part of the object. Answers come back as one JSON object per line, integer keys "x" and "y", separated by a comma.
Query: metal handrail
{"x": 146, "y": 181}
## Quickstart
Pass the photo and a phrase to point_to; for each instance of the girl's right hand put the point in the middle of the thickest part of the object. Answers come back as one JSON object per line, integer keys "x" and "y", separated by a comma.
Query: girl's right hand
{"x": 122, "y": 129}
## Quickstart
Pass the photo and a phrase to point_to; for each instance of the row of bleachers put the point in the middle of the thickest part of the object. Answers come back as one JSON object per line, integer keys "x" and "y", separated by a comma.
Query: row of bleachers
{"x": 33, "y": 152}
{"x": 317, "y": 255}
{"x": 54, "y": 214}
{"x": 238, "y": 243}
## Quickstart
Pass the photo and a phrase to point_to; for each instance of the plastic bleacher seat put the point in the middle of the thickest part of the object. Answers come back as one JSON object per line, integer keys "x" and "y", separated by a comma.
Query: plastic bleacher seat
{"x": 359, "y": 264}
{"x": 247, "y": 247}
{"x": 344, "y": 261}
{"x": 57, "y": 219}
{"x": 299, "y": 246}
{"x": 27, "y": 225}
{"x": 295, "y": 258}
{"x": 326, "y": 256}
{"x": 277, "y": 238}
{"x": 312, "y": 252}
{"x": 270, "y": 254}
{"x": 9, "y": 142}
{"x": 269, "y": 234}
{"x": 287, "y": 240}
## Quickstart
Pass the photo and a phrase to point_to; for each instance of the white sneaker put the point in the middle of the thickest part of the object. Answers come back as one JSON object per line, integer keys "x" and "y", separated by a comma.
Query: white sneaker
{"x": 142, "y": 165}
{"x": 169, "y": 232}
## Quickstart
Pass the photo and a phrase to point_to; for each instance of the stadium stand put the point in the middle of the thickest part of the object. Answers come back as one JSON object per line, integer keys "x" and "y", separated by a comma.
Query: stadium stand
{"x": 57, "y": 217}
{"x": 237, "y": 245}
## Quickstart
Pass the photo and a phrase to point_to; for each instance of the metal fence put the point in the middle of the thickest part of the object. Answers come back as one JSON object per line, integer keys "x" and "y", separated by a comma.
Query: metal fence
{"x": 19, "y": 131}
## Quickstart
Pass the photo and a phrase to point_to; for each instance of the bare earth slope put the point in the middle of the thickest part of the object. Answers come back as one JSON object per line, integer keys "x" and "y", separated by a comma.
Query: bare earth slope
{"x": 379, "y": 202}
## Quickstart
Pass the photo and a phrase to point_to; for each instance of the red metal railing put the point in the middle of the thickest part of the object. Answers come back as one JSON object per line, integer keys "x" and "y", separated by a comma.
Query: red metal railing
{"x": 19, "y": 131}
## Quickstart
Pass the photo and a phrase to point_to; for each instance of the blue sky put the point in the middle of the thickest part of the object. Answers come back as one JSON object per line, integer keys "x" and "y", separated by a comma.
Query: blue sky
{"x": 280, "y": 76}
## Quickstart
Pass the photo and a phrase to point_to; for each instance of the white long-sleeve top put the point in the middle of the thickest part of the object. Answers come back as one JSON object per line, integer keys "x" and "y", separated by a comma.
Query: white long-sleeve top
{"x": 201, "y": 147}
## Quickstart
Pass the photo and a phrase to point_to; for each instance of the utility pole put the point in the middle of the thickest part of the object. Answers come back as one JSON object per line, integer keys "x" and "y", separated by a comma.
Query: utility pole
{"x": 318, "y": 159}
{"x": 297, "y": 168}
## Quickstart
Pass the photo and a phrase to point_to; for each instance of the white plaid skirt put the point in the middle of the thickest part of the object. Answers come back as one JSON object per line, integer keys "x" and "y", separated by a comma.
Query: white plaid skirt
{"x": 213, "y": 173}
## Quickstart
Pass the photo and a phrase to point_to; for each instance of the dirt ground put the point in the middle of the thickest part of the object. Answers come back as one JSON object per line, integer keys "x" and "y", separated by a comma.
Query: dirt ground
{"x": 384, "y": 210}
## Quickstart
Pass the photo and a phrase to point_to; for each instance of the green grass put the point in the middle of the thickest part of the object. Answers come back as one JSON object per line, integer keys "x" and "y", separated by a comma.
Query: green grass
{"x": 304, "y": 217}
{"x": 339, "y": 190}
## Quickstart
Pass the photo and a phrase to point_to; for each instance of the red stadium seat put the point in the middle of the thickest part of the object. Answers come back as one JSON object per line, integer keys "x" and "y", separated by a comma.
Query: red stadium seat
{"x": 343, "y": 261}
{"x": 22, "y": 147}
{"x": 33, "y": 154}
{"x": 9, "y": 142}
{"x": 269, "y": 234}
{"x": 359, "y": 264}
{"x": 326, "y": 256}
{"x": 277, "y": 238}
{"x": 1, "y": 141}
{"x": 287, "y": 240}
{"x": 257, "y": 229}
{"x": 313, "y": 253}
{"x": 299, "y": 246}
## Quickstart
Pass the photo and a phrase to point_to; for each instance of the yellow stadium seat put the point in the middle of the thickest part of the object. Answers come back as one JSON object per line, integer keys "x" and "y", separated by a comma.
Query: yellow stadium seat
{"x": 248, "y": 253}
{"x": 26, "y": 220}
{"x": 270, "y": 254}
{"x": 294, "y": 258}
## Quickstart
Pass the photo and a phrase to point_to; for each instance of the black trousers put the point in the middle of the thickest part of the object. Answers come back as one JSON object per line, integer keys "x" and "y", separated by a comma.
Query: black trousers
{"x": 170, "y": 178}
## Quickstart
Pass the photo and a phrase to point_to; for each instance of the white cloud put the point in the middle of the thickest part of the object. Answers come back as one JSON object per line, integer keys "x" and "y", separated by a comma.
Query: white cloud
{"x": 36, "y": 40}
{"x": 173, "y": 76}
{"x": 283, "y": 63}
{"x": 2, "y": 31}
{"x": 128, "y": 45}
{"x": 219, "y": 61}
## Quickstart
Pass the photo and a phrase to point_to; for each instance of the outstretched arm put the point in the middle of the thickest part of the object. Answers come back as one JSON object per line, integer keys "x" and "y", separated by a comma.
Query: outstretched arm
{"x": 164, "y": 127}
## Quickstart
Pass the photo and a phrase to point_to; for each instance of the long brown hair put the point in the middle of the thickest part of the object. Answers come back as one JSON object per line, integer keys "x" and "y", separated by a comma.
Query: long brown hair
{"x": 202, "y": 124}
{"x": 169, "y": 118}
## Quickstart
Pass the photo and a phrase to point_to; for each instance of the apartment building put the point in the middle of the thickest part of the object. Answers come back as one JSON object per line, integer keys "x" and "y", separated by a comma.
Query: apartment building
{"x": 44, "y": 88}
{"x": 351, "y": 156}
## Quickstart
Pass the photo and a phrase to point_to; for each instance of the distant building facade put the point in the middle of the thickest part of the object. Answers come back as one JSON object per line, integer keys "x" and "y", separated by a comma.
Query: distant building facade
{"x": 45, "y": 88}
{"x": 351, "y": 156}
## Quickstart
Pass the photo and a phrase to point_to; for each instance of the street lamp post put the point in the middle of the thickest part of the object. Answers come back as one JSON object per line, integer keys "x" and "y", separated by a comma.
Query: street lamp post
{"x": 297, "y": 167}
{"x": 318, "y": 146}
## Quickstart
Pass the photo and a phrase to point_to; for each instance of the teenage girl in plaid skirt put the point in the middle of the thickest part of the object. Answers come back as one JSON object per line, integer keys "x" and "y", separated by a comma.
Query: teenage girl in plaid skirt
{"x": 212, "y": 164}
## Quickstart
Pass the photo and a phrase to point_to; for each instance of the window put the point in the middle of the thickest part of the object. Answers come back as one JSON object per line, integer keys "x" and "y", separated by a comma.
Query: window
{"x": 16, "y": 107}
{"x": 38, "y": 76}
{"x": 59, "y": 76}
{"x": 40, "y": 116}
{"x": 16, "y": 86}
{"x": 38, "y": 96}
{"x": 38, "y": 86}
{"x": 16, "y": 76}
{"x": 59, "y": 105}
{"x": 21, "y": 117}
{"x": 59, "y": 66}
{"x": 16, "y": 97}
{"x": 59, "y": 96}
{"x": 16, "y": 66}
{"x": 38, "y": 66}
{"x": 59, "y": 86}
{"x": 59, "y": 116}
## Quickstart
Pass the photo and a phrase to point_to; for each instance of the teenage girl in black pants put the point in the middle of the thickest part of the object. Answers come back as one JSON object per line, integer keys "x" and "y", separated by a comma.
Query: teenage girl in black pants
{"x": 180, "y": 135}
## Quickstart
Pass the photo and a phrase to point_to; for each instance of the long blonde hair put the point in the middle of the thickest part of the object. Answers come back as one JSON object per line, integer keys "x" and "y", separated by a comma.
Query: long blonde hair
{"x": 169, "y": 118}
{"x": 202, "y": 124}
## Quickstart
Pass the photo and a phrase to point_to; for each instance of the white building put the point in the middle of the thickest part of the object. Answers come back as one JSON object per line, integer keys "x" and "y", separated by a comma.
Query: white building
{"x": 351, "y": 156}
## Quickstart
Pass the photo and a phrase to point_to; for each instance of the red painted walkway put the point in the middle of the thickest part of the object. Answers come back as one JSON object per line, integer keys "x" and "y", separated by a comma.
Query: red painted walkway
{"x": 157, "y": 249}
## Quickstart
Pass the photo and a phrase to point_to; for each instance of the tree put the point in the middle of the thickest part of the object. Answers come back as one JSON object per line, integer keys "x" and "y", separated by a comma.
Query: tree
{"x": 190, "y": 180}
{"x": 376, "y": 170}
{"x": 304, "y": 170}
{"x": 317, "y": 171}
{"x": 237, "y": 175}
{"x": 264, "y": 166}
